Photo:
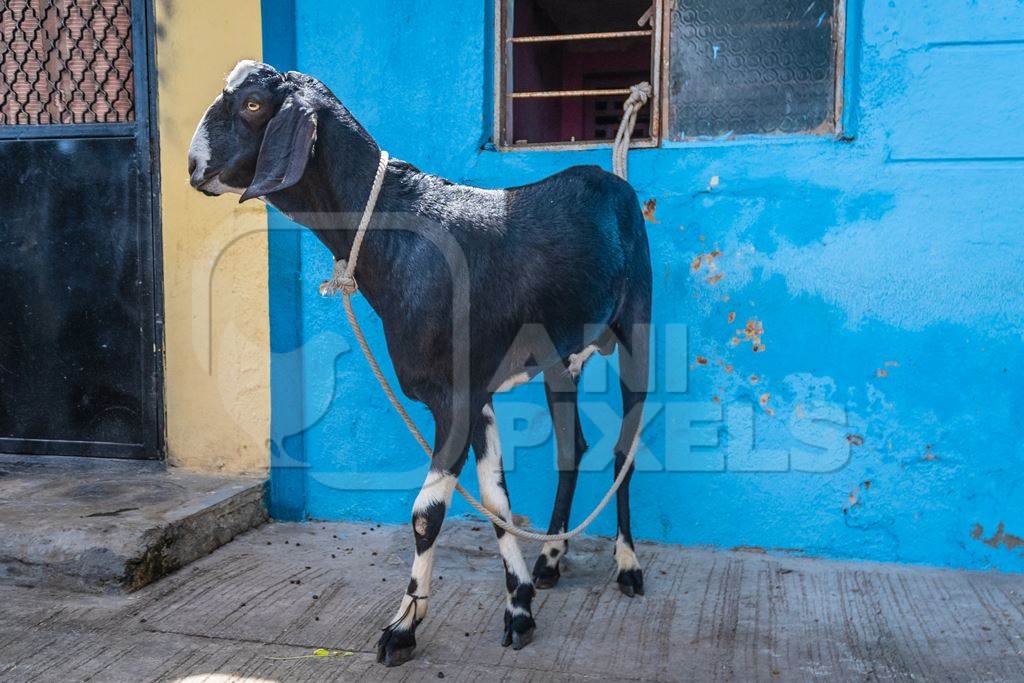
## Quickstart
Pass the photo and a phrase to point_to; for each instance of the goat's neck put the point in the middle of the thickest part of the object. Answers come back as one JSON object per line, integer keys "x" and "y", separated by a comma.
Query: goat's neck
{"x": 332, "y": 195}
{"x": 333, "y": 191}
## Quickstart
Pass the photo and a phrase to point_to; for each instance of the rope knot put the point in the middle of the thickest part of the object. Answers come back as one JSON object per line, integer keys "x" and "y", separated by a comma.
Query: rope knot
{"x": 341, "y": 281}
{"x": 639, "y": 94}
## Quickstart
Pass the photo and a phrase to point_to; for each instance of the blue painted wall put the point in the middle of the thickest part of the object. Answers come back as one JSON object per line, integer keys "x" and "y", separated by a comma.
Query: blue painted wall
{"x": 886, "y": 272}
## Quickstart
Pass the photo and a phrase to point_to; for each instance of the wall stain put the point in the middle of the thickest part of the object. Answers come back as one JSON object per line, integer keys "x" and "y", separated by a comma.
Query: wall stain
{"x": 649, "y": 206}
{"x": 856, "y": 496}
{"x": 999, "y": 538}
{"x": 750, "y": 333}
{"x": 707, "y": 260}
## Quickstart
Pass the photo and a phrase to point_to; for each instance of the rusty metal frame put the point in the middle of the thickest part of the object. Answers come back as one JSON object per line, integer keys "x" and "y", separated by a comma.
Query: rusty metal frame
{"x": 840, "y": 83}
{"x": 582, "y": 36}
{"x": 568, "y": 93}
{"x": 503, "y": 94}
{"x": 665, "y": 56}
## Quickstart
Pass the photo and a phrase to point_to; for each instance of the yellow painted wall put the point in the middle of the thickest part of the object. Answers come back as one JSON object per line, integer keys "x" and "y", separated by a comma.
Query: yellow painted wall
{"x": 214, "y": 254}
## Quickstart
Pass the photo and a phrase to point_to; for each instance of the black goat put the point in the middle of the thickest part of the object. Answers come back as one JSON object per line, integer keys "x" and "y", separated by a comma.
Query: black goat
{"x": 478, "y": 290}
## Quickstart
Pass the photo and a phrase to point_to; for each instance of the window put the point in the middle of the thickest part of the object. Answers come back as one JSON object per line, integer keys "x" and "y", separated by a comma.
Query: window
{"x": 719, "y": 68}
{"x": 752, "y": 66}
{"x": 565, "y": 68}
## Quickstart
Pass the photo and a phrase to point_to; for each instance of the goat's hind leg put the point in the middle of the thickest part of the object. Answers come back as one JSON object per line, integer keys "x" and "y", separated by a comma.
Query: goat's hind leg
{"x": 519, "y": 623}
{"x": 633, "y": 367}
{"x": 561, "y": 388}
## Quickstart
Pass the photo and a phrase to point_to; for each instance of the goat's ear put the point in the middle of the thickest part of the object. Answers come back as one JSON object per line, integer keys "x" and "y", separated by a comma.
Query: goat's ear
{"x": 286, "y": 148}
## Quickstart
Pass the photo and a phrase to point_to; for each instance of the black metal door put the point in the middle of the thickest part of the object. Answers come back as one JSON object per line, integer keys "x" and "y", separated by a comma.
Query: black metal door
{"x": 80, "y": 311}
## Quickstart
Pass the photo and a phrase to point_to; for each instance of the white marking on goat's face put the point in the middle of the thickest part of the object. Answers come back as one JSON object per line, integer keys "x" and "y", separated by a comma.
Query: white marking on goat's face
{"x": 241, "y": 71}
{"x": 199, "y": 148}
{"x": 199, "y": 154}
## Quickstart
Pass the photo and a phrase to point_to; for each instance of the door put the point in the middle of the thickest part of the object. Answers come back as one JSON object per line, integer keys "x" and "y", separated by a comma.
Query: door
{"x": 80, "y": 316}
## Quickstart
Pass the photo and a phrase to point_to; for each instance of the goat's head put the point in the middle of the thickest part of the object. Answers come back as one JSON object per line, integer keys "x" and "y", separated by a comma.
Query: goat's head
{"x": 256, "y": 137}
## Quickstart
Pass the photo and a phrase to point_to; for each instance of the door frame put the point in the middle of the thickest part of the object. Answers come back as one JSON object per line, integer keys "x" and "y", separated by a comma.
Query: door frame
{"x": 145, "y": 133}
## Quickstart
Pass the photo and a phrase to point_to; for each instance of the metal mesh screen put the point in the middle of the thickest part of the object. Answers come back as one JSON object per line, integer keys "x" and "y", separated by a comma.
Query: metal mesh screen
{"x": 751, "y": 66}
{"x": 66, "y": 61}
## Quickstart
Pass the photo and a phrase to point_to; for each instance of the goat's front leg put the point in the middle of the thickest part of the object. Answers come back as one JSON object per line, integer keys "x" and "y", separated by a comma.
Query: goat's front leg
{"x": 519, "y": 623}
{"x": 398, "y": 641}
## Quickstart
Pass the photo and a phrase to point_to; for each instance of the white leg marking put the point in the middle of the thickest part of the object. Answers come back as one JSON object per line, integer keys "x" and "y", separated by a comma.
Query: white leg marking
{"x": 508, "y": 546}
{"x": 437, "y": 487}
{"x": 553, "y": 552}
{"x": 408, "y": 615}
{"x": 489, "y": 473}
{"x": 515, "y": 610}
{"x": 624, "y": 555}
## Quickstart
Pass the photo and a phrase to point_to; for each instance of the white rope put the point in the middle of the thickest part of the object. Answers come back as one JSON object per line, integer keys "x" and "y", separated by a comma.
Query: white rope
{"x": 638, "y": 96}
{"x": 344, "y": 281}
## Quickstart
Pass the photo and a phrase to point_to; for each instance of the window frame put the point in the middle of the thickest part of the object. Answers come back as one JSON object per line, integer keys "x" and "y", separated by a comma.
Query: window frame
{"x": 503, "y": 20}
{"x": 661, "y": 56}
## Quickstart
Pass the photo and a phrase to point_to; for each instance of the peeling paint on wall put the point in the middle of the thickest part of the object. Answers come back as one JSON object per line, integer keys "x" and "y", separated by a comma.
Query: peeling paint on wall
{"x": 998, "y": 539}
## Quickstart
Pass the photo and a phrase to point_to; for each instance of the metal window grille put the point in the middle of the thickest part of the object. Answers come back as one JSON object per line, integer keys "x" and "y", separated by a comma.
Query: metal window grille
{"x": 66, "y": 62}
{"x": 596, "y": 26}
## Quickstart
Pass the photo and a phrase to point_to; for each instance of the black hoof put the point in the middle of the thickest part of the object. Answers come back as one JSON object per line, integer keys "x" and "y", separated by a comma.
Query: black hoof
{"x": 521, "y": 640}
{"x": 518, "y": 631}
{"x": 545, "y": 577}
{"x": 631, "y": 582}
{"x": 395, "y": 647}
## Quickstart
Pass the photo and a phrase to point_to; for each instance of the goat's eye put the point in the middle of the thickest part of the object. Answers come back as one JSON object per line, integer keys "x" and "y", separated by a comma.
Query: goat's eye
{"x": 252, "y": 105}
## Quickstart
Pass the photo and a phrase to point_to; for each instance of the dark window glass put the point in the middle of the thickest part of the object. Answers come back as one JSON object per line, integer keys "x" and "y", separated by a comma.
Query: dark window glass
{"x": 751, "y": 66}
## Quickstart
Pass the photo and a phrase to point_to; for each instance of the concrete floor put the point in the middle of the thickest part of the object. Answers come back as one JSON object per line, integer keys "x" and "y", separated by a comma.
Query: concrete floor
{"x": 107, "y": 525}
{"x": 284, "y": 589}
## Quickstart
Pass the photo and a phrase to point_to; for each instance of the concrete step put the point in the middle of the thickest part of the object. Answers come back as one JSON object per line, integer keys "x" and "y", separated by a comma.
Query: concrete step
{"x": 101, "y": 525}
